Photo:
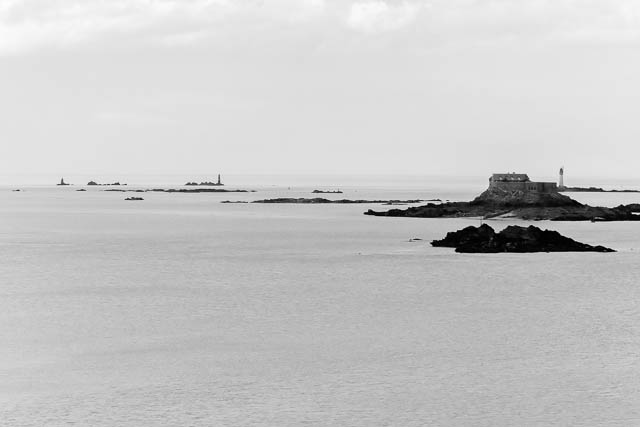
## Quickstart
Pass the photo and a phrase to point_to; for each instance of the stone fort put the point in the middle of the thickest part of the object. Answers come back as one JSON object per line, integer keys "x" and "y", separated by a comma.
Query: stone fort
{"x": 520, "y": 182}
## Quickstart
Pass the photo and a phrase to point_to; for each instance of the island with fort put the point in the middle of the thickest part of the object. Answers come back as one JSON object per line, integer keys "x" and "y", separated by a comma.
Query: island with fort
{"x": 514, "y": 195}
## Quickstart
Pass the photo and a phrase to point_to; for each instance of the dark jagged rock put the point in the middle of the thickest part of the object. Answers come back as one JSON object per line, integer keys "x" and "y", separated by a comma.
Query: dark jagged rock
{"x": 466, "y": 236}
{"x": 518, "y": 204}
{"x": 319, "y": 200}
{"x": 484, "y": 239}
{"x": 326, "y": 192}
{"x": 92, "y": 183}
{"x": 82, "y": 189}
{"x": 633, "y": 207}
{"x": 134, "y": 198}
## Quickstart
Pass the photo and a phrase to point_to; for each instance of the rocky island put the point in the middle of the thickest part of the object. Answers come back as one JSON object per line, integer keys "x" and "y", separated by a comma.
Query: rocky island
{"x": 515, "y": 196}
{"x": 206, "y": 183}
{"x": 484, "y": 239}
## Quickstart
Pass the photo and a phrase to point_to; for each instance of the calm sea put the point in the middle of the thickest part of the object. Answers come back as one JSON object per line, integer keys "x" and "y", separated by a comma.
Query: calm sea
{"x": 182, "y": 311}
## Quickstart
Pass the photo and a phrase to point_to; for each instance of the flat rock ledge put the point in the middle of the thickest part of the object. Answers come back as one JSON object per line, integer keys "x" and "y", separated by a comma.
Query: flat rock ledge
{"x": 320, "y": 200}
{"x": 484, "y": 239}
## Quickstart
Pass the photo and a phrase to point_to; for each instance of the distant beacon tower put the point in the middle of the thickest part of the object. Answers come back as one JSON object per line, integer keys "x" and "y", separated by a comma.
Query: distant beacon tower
{"x": 561, "y": 181}
{"x": 219, "y": 183}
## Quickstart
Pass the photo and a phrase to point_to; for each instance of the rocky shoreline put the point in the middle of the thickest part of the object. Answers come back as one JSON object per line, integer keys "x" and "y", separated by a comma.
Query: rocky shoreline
{"x": 484, "y": 239}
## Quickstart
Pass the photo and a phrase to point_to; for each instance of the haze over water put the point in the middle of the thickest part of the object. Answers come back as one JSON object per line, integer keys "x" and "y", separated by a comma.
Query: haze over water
{"x": 180, "y": 310}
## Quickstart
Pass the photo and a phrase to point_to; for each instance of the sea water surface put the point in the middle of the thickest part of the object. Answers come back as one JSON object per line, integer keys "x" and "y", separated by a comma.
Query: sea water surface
{"x": 182, "y": 311}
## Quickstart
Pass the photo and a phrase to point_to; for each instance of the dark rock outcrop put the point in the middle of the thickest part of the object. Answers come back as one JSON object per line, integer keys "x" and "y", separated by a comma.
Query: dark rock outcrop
{"x": 499, "y": 198}
{"x": 134, "y": 198}
{"x": 113, "y": 183}
{"x": 484, "y": 239}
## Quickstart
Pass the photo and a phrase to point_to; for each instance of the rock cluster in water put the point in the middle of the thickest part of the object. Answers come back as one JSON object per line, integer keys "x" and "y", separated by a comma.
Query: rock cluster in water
{"x": 484, "y": 239}
{"x": 92, "y": 183}
{"x": 182, "y": 190}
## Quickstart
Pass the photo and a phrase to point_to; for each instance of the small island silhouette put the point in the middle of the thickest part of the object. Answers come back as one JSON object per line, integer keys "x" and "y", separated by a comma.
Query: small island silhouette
{"x": 92, "y": 183}
{"x": 207, "y": 183}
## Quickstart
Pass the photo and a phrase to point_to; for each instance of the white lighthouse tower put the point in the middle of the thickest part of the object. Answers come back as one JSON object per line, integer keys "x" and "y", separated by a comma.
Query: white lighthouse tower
{"x": 561, "y": 180}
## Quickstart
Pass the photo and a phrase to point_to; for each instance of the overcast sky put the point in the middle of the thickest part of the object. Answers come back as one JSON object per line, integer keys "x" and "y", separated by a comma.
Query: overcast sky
{"x": 463, "y": 87}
